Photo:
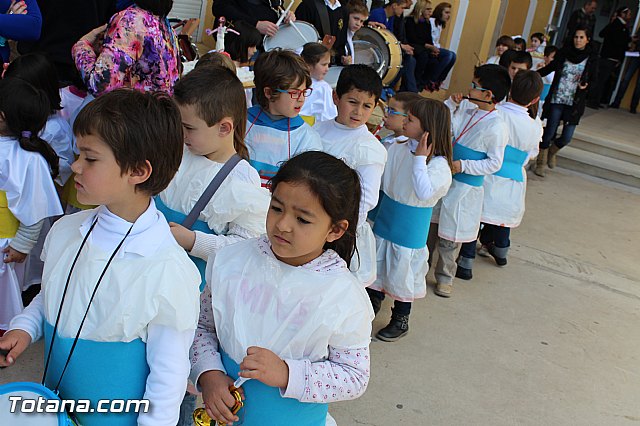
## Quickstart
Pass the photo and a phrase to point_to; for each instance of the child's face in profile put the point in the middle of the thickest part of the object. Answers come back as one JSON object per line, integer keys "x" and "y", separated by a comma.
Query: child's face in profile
{"x": 356, "y": 21}
{"x": 286, "y": 104}
{"x": 99, "y": 180}
{"x": 319, "y": 70}
{"x": 535, "y": 43}
{"x": 199, "y": 138}
{"x": 395, "y": 116}
{"x": 412, "y": 127}
{"x": 354, "y": 107}
{"x": 549, "y": 59}
{"x": 297, "y": 224}
{"x": 500, "y": 49}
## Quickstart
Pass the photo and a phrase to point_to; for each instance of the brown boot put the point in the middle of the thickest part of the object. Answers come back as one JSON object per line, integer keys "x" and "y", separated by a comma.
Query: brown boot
{"x": 541, "y": 163}
{"x": 551, "y": 159}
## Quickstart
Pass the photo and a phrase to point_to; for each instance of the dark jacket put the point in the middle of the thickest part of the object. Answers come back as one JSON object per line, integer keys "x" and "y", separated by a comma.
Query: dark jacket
{"x": 338, "y": 21}
{"x": 418, "y": 34}
{"x": 616, "y": 40}
{"x": 580, "y": 100}
{"x": 250, "y": 11}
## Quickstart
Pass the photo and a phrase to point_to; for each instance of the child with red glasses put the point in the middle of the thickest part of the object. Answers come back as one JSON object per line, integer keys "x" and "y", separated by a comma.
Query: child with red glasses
{"x": 275, "y": 130}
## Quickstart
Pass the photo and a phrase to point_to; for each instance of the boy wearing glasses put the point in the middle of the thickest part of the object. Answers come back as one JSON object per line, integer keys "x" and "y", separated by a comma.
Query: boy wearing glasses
{"x": 275, "y": 130}
{"x": 479, "y": 139}
{"x": 347, "y": 137}
{"x": 395, "y": 115}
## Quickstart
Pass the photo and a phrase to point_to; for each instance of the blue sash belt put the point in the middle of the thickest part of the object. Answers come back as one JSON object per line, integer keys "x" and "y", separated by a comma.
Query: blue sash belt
{"x": 199, "y": 225}
{"x": 404, "y": 225}
{"x": 512, "y": 164}
{"x": 461, "y": 152}
{"x": 263, "y": 404}
{"x": 98, "y": 370}
{"x": 265, "y": 170}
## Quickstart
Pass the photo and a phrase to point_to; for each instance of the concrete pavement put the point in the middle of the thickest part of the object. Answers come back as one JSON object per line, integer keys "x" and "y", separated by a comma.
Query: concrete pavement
{"x": 553, "y": 338}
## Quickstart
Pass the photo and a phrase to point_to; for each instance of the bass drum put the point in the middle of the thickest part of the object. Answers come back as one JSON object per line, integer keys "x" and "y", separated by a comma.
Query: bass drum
{"x": 292, "y": 36}
{"x": 380, "y": 49}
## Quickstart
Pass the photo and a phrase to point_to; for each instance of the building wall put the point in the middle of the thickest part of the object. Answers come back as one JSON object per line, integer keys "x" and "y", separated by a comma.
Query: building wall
{"x": 515, "y": 17}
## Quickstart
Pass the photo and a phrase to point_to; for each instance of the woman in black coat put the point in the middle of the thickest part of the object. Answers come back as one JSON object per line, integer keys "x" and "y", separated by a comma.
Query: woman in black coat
{"x": 575, "y": 70}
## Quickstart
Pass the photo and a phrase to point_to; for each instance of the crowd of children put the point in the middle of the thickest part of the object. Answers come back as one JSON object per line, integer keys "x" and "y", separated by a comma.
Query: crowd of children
{"x": 272, "y": 241}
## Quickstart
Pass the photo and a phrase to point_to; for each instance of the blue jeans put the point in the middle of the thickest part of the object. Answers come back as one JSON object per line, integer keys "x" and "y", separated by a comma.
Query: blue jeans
{"x": 434, "y": 69}
{"x": 553, "y": 121}
{"x": 632, "y": 67}
{"x": 187, "y": 408}
{"x": 408, "y": 73}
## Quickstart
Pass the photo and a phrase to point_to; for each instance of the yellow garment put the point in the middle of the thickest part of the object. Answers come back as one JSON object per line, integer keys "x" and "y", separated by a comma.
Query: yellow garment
{"x": 309, "y": 119}
{"x": 8, "y": 222}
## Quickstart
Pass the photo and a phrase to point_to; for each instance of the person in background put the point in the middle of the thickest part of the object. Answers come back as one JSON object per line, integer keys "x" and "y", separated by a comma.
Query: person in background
{"x": 632, "y": 67}
{"x": 358, "y": 14}
{"x": 330, "y": 20}
{"x": 616, "y": 38}
{"x": 584, "y": 18}
{"x": 515, "y": 61}
{"x": 262, "y": 14}
{"x": 18, "y": 21}
{"x": 503, "y": 44}
{"x": 320, "y": 104}
{"x": 520, "y": 44}
{"x": 441, "y": 15}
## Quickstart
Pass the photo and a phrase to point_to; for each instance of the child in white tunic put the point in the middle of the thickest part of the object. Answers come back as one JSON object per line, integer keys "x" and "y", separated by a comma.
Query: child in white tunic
{"x": 27, "y": 193}
{"x": 284, "y": 310}
{"x": 275, "y": 130}
{"x": 119, "y": 267}
{"x": 348, "y": 138}
{"x": 479, "y": 139}
{"x": 320, "y": 104}
{"x": 36, "y": 69}
{"x": 504, "y": 190}
{"x": 404, "y": 212}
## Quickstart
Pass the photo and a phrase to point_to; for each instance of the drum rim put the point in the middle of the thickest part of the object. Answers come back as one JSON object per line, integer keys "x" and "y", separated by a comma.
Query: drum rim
{"x": 36, "y": 388}
{"x": 304, "y": 25}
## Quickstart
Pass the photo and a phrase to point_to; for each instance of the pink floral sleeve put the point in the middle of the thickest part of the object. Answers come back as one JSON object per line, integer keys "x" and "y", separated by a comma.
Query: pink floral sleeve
{"x": 343, "y": 376}
{"x": 204, "y": 353}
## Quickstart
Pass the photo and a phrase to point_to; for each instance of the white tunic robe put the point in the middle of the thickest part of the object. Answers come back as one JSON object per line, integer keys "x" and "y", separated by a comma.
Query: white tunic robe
{"x": 320, "y": 104}
{"x": 504, "y": 198}
{"x": 361, "y": 151}
{"x": 31, "y": 197}
{"x": 408, "y": 180}
{"x": 461, "y": 208}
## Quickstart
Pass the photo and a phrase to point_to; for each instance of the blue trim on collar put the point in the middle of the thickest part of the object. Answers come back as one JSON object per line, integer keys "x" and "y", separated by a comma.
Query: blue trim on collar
{"x": 265, "y": 120}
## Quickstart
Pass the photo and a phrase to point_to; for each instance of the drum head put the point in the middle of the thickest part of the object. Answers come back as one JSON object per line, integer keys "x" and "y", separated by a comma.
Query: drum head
{"x": 332, "y": 76}
{"x": 371, "y": 49}
{"x": 28, "y": 417}
{"x": 289, "y": 39}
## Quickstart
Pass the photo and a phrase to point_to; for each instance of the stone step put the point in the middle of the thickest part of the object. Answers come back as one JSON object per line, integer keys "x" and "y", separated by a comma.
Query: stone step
{"x": 608, "y": 148}
{"x": 602, "y": 166}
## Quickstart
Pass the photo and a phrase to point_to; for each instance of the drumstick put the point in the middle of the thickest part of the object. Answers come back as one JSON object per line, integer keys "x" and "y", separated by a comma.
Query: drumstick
{"x": 298, "y": 31}
{"x": 284, "y": 14}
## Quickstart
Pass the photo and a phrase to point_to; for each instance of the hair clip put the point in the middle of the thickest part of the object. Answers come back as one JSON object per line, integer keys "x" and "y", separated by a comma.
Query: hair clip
{"x": 26, "y": 134}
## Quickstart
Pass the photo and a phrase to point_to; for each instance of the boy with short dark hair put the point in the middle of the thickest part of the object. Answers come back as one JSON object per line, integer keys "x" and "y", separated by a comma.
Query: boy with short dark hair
{"x": 515, "y": 61}
{"x": 275, "y": 130}
{"x": 504, "y": 190}
{"x": 131, "y": 292}
{"x": 395, "y": 115}
{"x": 347, "y": 137}
{"x": 480, "y": 136}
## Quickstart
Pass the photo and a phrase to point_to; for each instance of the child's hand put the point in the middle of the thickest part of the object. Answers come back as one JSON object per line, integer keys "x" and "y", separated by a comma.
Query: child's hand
{"x": 423, "y": 148}
{"x": 457, "y": 167}
{"x": 93, "y": 35}
{"x": 263, "y": 365}
{"x": 217, "y": 398}
{"x": 457, "y": 98}
{"x": 14, "y": 341}
{"x": 183, "y": 236}
{"x": 13, "y": 255}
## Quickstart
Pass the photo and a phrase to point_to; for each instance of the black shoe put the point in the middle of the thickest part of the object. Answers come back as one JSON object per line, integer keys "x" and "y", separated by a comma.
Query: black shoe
{"x": 398, "y": 327}
{"x": 500, "y": 261}
{"x": 463, "y": 273}
{"x": 633, "y": 111}
{"x": 376, "y": 304}
{"x": 614, "y": 105}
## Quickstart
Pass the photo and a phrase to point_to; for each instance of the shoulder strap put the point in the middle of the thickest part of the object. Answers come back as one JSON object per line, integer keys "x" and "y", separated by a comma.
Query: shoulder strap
{"x": 324, "y": 16}
{"x": 211, "y": 189}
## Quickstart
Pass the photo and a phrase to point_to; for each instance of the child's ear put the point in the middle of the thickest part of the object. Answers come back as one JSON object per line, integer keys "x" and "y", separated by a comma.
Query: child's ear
{"x": 140, "y": 173}
{"x": 336, "y": 99}
{"x": 268, "y": 92}
{"x": 337, "y": 230}
{"x": 225, "y": 127}
{"x": 535, "y": 101}
{"x": 488, "y": 95}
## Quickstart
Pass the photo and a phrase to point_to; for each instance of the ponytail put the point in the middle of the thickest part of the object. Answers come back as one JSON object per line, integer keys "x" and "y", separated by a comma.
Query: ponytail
{"x": 26, "y": 110}
{"x": 32, "y": 142}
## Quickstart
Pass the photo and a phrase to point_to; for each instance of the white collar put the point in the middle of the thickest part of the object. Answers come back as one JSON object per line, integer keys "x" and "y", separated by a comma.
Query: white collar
{"x": 622, "y": 20}
{"x": 332, "y": 6}
{"x": 510, "y": 106}
{"x": 147, "y": 234}
{"x": 347, "y": 128}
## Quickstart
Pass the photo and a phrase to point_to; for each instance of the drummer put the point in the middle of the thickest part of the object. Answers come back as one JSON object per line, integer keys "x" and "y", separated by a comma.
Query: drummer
{"x": 358, "y": 14}
{"x": 331, "y": 21}
{"x": 263, "y": 14}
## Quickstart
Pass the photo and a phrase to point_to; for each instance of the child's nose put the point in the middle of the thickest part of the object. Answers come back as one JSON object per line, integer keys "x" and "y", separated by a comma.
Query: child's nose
{"x": 75, "y": 167}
